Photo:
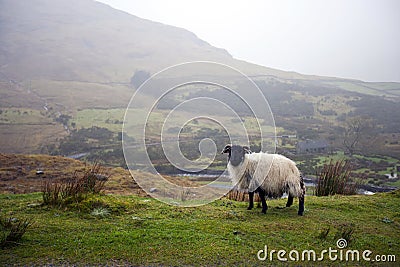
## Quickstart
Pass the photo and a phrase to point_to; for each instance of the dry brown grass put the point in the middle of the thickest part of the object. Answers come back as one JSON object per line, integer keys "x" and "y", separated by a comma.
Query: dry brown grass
{"x": 18, "y": 174}
{"x": 241, "y": 196}
{"x": 336, "y": 178}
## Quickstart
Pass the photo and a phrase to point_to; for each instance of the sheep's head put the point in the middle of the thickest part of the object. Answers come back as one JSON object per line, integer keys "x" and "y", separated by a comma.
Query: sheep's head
{"x": 236, "y": 153}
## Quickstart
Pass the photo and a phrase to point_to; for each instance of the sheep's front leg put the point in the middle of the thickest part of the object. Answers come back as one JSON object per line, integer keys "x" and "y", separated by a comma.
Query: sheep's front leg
{"x": 251, "y": 200}
{"x": 261, "y": 193}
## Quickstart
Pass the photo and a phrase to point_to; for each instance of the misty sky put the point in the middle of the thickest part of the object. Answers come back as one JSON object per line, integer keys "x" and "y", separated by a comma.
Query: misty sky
{"x": 357, "y": 39}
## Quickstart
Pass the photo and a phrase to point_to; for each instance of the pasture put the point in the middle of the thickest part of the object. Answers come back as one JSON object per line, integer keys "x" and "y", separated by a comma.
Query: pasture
{"x": 132, "y": 230}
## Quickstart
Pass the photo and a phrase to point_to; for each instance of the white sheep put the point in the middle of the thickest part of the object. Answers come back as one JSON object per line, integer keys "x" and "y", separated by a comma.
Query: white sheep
{"x": 267, "y": 174}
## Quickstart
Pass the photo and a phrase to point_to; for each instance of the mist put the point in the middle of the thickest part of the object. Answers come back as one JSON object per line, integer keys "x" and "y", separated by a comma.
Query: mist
{"x": 348, "y": 39}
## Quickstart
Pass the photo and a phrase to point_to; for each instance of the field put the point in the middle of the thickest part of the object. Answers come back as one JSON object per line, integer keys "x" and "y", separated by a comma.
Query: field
{"x": 68, "y": 71}
{"x": 123, "y": 226}
{"x": 23, "y": 130}
{"x": 377, "y": 89}
{"x": 142, "y": 231}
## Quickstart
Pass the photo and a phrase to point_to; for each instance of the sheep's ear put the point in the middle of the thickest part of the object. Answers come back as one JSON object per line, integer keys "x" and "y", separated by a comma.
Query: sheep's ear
{"x": 247, "y": 150}
{"x": 226, "y": 149}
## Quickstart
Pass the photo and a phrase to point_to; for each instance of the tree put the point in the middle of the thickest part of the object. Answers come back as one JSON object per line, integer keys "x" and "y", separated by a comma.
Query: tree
{"x": 359, "y": 133}
{"x": 139, "y": 77}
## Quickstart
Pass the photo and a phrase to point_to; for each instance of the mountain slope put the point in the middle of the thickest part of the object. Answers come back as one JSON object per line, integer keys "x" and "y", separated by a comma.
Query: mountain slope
{"x": 83, "y": 40}
{"x": 60, "y": 59}
{"x": 87, "y": 40}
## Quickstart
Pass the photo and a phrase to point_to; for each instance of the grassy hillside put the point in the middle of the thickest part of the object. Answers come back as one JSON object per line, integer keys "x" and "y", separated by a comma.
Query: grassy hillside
{"x": 131, "y": 230}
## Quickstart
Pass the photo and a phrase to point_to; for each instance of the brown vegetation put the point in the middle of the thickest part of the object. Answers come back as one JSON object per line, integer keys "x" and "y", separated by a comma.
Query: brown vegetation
{"x": 19, "y": 174}
{"x": 241, "y": 196}
{"x": 336, "y": 178}
{"x": 27, "y": 173}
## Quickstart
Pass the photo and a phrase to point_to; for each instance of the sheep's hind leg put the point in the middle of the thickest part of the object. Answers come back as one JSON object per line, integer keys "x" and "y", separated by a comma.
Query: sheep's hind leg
{"x": 261, "y": 193}
{"x": 301, "y": 206}
{"x": 251, "y": 200}
{"x": 302, "y": 196}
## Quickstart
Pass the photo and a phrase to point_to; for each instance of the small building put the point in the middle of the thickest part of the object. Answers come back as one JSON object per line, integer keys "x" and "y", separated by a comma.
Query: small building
{"x": 391, "y": 175}
{"x": 312, "y": 147}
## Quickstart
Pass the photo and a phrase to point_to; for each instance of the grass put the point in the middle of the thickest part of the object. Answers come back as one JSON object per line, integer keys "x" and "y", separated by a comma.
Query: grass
{"x": 375, "y": 89}
{"x": 108, "y": 118}
{"x": 11, "y": 230}
{"x": 27, "y": 138}
{"x": 26, "y": 130}
{"x": 395, "y": 183}
{"x": 142, "y": 231}
{"x": 76, "y": 189}
{"x": 75, "y": 95}
{"x": 24, "y": 116}
{"x": 335, "y": 178}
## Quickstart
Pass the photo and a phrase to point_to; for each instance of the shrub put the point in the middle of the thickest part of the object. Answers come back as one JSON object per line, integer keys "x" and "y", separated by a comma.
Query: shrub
{"x": 75, "y": 189}
{"x": 12, "y": 230}
{"x": 335, "y": 178}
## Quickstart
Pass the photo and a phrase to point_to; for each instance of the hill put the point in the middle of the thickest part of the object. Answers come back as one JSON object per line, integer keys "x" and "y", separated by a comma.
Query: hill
{"x": 87, "y": 41}
{"x": 66, "y": 66}
{"x": 83, "y": 40}
{"x": 19, "y": 174}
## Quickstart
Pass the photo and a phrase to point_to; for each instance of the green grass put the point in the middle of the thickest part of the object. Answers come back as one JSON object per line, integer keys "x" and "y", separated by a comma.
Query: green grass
{"x": 378, "y": 89}
{"x": 396, "y": 183}
{"x": 108, "y": 118}
{"x": 25, "y": 116}
{"x": 340, "y": 155}
{"x": 143, "y": 231}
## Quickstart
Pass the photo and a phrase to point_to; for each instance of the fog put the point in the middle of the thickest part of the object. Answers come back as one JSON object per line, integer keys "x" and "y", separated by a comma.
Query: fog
{"x": 356, "y": 39}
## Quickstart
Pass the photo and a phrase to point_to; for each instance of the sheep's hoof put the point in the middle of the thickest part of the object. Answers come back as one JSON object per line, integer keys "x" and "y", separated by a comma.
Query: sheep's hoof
{"x": 249, "y": 208}
{"x": 264, "y": 211}
{"x": 300, "y": 213}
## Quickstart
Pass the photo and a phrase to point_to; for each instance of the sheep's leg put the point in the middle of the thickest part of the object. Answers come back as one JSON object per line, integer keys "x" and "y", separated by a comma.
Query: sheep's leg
{"x": 301, "y": 201}
{"x": 302, "y": 196}
{"x": 251, "y": 200}
{"x": 261, "y": 193}
{"x": 289, "y": 201}
{"x": 301, "y": 206}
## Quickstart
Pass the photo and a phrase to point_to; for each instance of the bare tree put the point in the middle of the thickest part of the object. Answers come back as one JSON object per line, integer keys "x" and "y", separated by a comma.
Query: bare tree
{"x": 359, "y": 133}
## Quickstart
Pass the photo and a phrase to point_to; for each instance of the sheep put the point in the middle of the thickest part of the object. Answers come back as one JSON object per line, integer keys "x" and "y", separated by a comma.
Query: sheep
{"x": 269, "y": 175}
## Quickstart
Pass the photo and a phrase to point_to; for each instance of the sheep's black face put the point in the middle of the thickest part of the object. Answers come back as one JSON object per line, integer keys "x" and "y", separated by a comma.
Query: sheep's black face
{"x": 236, "y": 153}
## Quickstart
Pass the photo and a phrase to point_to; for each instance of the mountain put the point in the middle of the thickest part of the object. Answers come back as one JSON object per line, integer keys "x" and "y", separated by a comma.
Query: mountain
{"x": 84, "y": 40}
{"x": 68, "y": 64}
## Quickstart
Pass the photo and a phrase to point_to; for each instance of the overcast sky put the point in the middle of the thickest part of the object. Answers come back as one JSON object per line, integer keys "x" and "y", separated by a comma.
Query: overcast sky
{"x": 357, "y": 39}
